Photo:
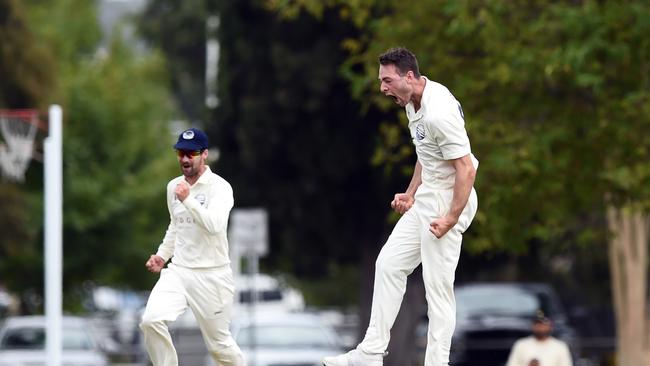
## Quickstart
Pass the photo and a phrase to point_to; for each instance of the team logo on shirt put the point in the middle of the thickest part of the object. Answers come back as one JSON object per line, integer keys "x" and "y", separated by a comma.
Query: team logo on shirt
{"x": 419, "y": 132}
{"x": 201, "y": 198}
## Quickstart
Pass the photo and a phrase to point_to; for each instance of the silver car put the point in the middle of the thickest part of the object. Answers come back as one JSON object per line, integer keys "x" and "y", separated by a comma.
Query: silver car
{"x": 22, "y": 342}
{"x": 286, "y": 339}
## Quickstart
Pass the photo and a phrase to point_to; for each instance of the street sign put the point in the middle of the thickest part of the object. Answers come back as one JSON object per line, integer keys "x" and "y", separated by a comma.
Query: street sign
{"x": 248, "y": 231}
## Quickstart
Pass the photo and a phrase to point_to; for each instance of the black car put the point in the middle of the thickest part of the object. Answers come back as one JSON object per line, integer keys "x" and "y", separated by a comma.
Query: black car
{"x": 492, "y": 316}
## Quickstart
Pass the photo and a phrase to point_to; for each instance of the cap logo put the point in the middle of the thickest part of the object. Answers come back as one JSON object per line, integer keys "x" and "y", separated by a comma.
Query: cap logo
{"x": 188, "y": 135}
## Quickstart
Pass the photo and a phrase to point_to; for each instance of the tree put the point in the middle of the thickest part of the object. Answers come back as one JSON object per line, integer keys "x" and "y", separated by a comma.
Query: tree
{"x": 286, "y": 119}
{"x": 559, "y": 128}
{"x": 25, "y": 78}
{"x": 178, "y": 29}
{"x": 117, "y": 151}
{"x": 291, "y": 139}
{"x": 25, "y": 84}
{"x": 117, "y": 166}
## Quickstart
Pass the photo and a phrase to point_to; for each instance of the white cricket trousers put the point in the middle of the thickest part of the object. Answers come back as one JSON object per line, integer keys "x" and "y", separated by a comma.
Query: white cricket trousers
{"x": 410, "y": 244}
{"x": 209, "y": 294}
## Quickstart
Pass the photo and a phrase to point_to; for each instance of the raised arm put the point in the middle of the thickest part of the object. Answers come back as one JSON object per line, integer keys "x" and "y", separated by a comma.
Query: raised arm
{"x": 212, "y": 217}
{"x": 416, "y": 180}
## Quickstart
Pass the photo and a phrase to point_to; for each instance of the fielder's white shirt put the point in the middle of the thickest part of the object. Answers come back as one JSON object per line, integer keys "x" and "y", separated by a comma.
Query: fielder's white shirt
{"x": 550, "y": 352}
{"x": 196, "y": 236}
{"x": 439, "y": 135}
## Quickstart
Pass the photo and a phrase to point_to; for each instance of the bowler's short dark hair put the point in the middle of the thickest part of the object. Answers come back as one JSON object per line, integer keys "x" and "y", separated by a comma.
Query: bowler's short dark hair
{"x": 403, "y": 59}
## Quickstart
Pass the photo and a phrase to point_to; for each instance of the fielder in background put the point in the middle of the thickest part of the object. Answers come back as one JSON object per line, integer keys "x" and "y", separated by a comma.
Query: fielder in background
{"x": 199, "y": 275}
{"x": 438, "y": 206}
{"x": 540, "y": 349}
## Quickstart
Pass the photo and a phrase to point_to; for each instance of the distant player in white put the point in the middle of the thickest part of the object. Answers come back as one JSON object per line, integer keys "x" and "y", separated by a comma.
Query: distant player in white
{"x": 199, "y": 275}
{"x": 437, "y": 208}
{"x": 540, "y": 349}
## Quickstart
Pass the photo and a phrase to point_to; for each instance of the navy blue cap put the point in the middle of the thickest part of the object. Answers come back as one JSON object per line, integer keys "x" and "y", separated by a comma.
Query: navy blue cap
{"x": 192, "y": 139}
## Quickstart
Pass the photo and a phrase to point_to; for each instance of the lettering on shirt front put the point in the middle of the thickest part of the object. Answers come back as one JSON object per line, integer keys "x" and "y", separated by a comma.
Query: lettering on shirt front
{"x": 185, "y": 220}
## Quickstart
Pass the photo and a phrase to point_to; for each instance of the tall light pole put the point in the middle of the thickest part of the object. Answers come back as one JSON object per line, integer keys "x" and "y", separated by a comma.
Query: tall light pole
{"x": 211, "y": 62}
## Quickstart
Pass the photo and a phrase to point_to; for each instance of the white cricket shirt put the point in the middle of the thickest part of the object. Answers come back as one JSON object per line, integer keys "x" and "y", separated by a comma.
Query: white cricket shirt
{"x": 438, "y": 133}
{"x": 550, "y": 352}
{"x": 196, "y": 236}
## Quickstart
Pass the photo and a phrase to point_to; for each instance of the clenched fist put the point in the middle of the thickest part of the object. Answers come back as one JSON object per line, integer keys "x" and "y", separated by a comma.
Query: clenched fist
{"x": 402, "y": 202}
{"x": 155, "y": 263}
{"x": 440, "y": 226}
{"x": 182, "y": 190}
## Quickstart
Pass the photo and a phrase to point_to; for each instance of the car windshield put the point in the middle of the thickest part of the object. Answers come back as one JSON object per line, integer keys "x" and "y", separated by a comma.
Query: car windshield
{"x": 283, "y": 336}
{"x": 496, "y": 301}
{"x": 246, "y": 296}
{"x": 33, "y": 338}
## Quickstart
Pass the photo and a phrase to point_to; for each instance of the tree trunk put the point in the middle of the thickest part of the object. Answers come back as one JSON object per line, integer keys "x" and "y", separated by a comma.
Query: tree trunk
{"x": 369, "y": 254}
{"x": 628, "y": 256}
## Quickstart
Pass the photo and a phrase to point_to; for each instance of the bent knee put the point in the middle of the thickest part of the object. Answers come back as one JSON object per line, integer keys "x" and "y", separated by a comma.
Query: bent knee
{"x": 387, "y": 265}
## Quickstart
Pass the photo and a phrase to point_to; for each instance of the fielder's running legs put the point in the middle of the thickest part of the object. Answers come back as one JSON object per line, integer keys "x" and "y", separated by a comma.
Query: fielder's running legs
{"x": 209, "y": 294}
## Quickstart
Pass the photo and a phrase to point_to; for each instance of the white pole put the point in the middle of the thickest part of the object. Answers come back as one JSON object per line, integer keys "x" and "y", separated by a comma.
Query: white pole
{"x": 53, "y": 237}
{"x": 253, "y": 271}
{"x": 211, "y": 61}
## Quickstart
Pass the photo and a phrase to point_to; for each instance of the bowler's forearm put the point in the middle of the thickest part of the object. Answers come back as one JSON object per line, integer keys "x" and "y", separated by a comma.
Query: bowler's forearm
{"x": 416, "y": 180}
{"x": 465, "y": 175}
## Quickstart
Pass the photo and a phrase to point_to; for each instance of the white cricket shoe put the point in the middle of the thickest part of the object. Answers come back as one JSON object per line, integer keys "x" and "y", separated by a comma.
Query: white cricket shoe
{"x": 354, "y": 358}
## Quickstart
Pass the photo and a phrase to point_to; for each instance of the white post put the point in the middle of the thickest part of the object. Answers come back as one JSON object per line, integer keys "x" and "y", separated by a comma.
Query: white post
{"x": 211, "y": 62}
{"x": 253, "y": 270}
{"x": 53, "y": 236}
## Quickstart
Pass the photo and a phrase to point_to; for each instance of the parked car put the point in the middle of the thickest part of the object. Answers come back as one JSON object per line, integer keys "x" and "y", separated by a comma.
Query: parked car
{"x": 272, "y": 294}
{"x": 115, "y": 314}
{"x": 492, "y": 316}
{"x": 5, "y": 302}
{"x": 22, "y": 342}
{"x": 272, "y": 297}
{"x": 285, "y": 339}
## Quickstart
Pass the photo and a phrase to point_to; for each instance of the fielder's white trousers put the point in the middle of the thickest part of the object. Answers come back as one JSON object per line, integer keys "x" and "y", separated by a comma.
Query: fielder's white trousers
{"x": 410, "y": 244}
{"x": 209, "y": 294}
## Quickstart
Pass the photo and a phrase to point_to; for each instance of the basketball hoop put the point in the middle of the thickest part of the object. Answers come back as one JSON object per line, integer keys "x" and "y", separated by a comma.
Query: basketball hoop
{"x": 18, "y": 128}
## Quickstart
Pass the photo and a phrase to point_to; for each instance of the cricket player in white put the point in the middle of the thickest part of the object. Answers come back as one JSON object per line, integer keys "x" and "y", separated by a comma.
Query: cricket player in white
{"x": 437, "y": 208}
{"x": 199, "y": 275}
